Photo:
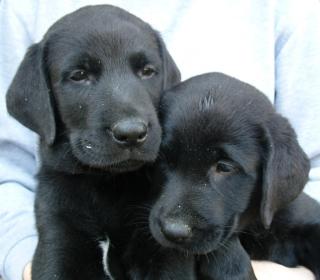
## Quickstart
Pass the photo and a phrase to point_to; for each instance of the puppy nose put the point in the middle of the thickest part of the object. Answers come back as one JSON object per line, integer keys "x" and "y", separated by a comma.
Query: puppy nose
{"x": 176, "y": 231}
{"x": 130, "y": 132}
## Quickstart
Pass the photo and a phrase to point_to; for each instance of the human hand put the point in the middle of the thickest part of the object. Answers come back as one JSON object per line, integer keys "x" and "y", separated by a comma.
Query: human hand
{"x": 265, "y": 270}
{"x": 27, "y": 272}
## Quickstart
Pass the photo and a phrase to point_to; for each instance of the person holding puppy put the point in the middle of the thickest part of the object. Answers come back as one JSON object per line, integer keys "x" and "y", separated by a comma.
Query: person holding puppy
{"x": 272, "y": 45}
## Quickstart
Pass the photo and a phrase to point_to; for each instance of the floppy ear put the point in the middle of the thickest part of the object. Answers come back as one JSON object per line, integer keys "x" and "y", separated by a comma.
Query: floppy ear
{"x": 171, "y": 73}
{"x": 28, "y": 98}
{"x": 285, "y": 168}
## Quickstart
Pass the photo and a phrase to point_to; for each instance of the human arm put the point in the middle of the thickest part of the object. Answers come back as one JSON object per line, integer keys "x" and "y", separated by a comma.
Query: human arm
{"x": 18, "y": 236}
{"x": 297, "y": 68}
{"x": 297, "y": 71}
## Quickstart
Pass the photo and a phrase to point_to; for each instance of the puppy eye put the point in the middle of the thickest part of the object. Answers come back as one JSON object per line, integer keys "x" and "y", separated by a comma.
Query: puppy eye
{"x": 79, "y": 76}
{"x": 147, "y": 72}
{"x": 224, "y": 167}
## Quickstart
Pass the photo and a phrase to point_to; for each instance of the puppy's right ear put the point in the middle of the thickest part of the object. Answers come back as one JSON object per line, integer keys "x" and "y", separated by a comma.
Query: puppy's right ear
{"x": 28, "y": 98}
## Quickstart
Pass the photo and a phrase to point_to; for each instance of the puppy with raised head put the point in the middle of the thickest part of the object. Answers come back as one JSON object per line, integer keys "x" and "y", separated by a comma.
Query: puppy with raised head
{"x": 231, "y": 177}
{"x": 91, "y": 90}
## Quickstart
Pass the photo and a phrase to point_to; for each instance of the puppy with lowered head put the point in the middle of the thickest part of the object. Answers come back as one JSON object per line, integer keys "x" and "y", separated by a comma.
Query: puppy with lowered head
{"x": 91, "y": 90}
{"x": 231, "y": 177}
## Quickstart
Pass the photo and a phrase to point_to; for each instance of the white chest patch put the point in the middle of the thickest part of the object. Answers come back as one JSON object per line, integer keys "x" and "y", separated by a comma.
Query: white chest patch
{"x": 104, "y": 245}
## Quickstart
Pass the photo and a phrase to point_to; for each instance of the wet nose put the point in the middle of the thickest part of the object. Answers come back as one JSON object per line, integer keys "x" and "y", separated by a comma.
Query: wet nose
{"x": 175, "y": 230}
{"x": 130, "y": 132}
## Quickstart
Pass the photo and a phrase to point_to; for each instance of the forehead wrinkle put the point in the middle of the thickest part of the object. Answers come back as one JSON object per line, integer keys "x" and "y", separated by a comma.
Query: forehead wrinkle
{"x": 247, "y": 159}
{"x": 117, "y": 48}
{"x": 107, "y": 43}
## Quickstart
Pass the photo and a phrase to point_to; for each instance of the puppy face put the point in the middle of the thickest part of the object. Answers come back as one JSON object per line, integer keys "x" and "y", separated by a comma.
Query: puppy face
{"x": 105, "y": 70}
{"x": 214, "y": 161}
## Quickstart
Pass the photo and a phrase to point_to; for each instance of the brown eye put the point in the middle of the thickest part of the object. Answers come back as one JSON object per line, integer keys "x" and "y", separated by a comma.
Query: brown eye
{"x": 225, "y": 167}
{"x": 147, "y": 72}
{"x": 79, "y": 76}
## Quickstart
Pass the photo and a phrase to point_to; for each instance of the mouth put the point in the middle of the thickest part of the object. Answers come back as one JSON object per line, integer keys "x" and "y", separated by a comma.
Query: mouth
{"x": 196, "y": 246}
{"x": 116, "y": 161}
{"x": 119, "y": 167}
{"x": 125, "y": 166}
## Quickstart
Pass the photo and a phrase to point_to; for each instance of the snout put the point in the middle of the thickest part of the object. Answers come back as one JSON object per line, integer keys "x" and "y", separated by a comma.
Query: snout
{"x": 188, "y": 231}
{"x": 119, "y": 140}
{"x": 185, "y": 236}
{"x": 130, "y": 132}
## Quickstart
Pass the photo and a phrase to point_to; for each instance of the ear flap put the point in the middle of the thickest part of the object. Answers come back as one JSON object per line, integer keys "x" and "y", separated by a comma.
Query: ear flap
{"x": 285, "y": 170}
{"x": 28, "y": 98}
{"x": 171, "y": 73}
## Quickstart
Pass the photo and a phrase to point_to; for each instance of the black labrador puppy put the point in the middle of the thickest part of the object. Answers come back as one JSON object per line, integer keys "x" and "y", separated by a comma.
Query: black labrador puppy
{"x": 91, "y": 90}
{"x": 231, "y": 175}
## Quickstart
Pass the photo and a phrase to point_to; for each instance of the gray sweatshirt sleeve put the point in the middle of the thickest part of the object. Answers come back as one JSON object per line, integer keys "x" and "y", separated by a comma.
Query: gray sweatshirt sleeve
{"x": 297, "y": 72}
{"x": 297, "y": 77}
{"x": 18, "y": 165}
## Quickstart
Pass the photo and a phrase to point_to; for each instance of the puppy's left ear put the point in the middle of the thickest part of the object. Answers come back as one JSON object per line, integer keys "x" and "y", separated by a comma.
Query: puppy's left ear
{"x": 171, "y": 73}
{"x": 285, "y": 168}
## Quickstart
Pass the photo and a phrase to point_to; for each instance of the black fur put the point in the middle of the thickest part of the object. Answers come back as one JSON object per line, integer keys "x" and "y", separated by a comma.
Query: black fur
{"x": 231, "y": 175}
{"x": 95, "y": 68}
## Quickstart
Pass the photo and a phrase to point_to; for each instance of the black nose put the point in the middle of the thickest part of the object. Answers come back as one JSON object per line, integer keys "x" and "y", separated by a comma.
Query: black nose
{"x": 175, "y": 230}
{"x": 130, "y": 132}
